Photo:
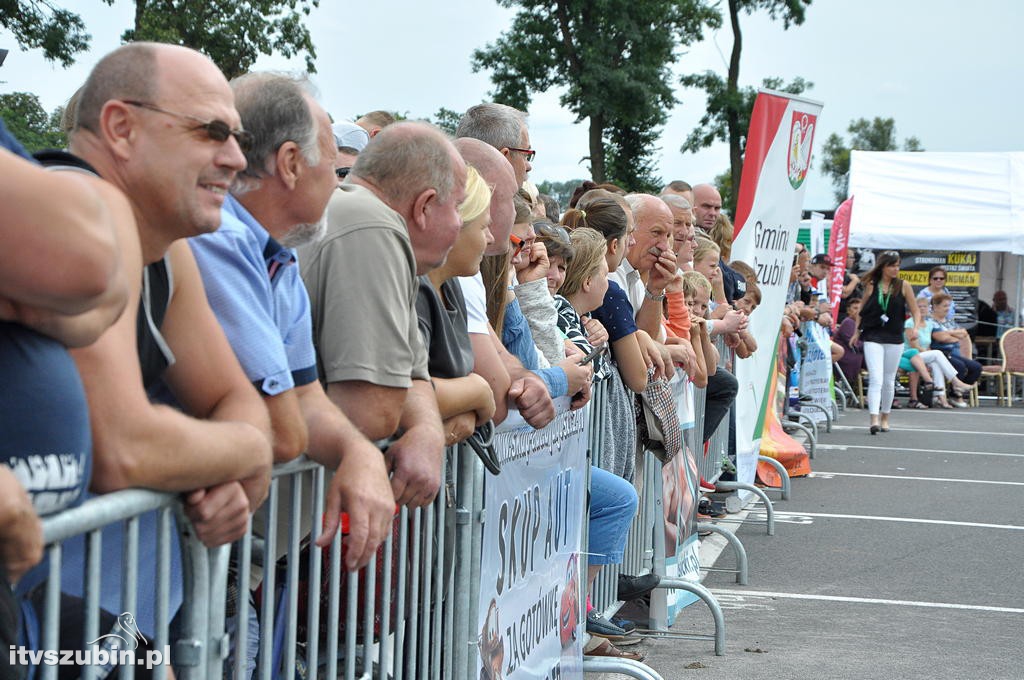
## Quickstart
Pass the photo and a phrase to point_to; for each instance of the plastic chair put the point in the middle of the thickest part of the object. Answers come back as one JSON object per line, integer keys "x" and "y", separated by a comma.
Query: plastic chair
{"x": 1011, "y": 347}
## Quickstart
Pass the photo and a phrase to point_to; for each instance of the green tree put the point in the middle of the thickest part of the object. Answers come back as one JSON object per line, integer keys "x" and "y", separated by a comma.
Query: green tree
{"x": 728, "y": 107}
{"x": 28, "y": 121}
{"x": 878, "y": 134}
{"x": 232, "y": 33}
{"x": 447, "y": 120}
{"x": 560, "y": 191}
{"x": 613, "y": 59}
{"x": 40, "y": 24}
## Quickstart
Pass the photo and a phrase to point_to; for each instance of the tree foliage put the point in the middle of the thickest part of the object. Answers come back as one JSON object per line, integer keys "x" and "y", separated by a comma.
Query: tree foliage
{"x": 232, "y": 33}
{"x": 727, "y": 116}
{"x": 613, "y": 59}
{"x": 28, "y": 121}
{"x": 560, "y": 191}
{"x": 40, "y": 24}
{"x": 878, "y": 134}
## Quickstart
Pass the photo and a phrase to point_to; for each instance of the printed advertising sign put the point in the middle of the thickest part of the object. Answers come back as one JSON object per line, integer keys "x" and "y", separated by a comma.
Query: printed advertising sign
{"x": 531, "y": 613}
{"x": 680, "y": 479}
{"x": 816, "y": 370}
{"x": 768, "y": 211}
{"x": 962, "y": 278}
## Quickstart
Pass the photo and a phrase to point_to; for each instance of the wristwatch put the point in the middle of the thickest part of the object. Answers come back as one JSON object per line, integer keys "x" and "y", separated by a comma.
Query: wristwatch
{"x": 651, "y": 296}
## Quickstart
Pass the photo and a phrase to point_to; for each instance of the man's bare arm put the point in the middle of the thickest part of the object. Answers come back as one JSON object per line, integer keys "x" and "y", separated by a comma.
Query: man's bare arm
{"x": 140, "y": 444}
{"x": 488, "y": 364}
{"x": 60, "y": 255}
{"x": 374, "y": 409}
{"x": 415, "y": 458}
{"x": 76, "y": 294}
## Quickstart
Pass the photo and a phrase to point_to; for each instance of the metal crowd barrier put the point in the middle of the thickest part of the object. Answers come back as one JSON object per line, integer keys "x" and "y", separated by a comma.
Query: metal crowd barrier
{"x": 122, "y": 510}
{"x": 411, "y": 613}
{"x": 642, "y": 547}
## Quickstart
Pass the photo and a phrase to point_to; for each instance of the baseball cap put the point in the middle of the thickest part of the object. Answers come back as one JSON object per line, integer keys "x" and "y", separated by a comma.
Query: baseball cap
{"x": 349, "y": 134}
{"x": 822, "y": 258}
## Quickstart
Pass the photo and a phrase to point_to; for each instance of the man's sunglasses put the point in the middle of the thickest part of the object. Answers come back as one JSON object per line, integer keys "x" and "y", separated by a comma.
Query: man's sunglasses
{"x": 529, "y": 153}
{"x": 217, "y": 130}
{"x": 342, "y": 173}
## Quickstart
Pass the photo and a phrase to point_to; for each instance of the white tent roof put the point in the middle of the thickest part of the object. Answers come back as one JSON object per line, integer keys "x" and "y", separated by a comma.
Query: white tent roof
{"x": 937, "y": 200}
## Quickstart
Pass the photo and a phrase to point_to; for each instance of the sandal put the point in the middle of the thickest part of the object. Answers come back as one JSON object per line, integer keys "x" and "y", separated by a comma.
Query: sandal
{"x": 914, "y": 403}
{"x": 606, "y": 648}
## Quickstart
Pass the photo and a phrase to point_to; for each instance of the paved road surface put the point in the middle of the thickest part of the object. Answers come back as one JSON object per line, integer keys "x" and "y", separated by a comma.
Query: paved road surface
{"x": 902, "y": 556}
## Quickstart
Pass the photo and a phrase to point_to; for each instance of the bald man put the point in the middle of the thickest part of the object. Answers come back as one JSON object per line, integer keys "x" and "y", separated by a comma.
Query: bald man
{"x": 159, "y": 122}
{"x": 707, "y": 205}
{"x": 510, "y": 382}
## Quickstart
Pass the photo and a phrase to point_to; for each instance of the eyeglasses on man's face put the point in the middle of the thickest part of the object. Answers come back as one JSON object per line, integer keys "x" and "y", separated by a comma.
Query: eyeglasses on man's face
{"x": 217, "y": 130}
{"x": 530, "y": 154}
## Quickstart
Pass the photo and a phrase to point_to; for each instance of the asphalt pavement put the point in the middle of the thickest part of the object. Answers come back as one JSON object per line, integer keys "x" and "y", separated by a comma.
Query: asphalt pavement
{"x": 901, "y": 556}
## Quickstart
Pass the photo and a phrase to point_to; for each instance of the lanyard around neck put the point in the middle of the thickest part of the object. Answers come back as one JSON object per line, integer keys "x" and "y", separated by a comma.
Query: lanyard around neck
{"x": 883, "y": 302}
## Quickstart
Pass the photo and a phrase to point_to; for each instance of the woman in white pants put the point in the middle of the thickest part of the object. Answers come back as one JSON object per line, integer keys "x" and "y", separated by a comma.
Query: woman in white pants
{"x": 881, "y": 331}
{"x": 938, "y": 367}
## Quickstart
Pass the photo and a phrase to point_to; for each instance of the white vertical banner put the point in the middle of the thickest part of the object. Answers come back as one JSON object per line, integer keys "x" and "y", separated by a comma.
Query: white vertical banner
{"x": 768, "y": 210}
{"x": 531, "y": 616}
{"x": 818, "y": 235}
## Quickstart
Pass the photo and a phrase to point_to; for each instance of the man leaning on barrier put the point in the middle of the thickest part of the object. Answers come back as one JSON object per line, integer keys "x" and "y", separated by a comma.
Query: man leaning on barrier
{"x": 61, "y": 285}
{"x": 158, "y": 122}
{"x": 395, "y": 216}
{"x": 252, "y": 281}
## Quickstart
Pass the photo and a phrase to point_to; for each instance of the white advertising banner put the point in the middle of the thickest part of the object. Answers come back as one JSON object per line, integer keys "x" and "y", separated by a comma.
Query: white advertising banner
{"x": 680, "y": 479}
{"x": 768, "y": 210}
{"x": 531, "y": 615}
{"x": 816, "y": 370}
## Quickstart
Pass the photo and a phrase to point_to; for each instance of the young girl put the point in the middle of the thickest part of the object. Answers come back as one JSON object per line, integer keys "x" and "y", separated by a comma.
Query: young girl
{"x": 603, "y": 213}
{"x": 464, "y": 398}
{"x": 582, "y": 291}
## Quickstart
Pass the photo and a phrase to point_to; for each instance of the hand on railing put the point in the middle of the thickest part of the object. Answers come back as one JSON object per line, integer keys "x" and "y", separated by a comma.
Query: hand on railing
{"x": 359, "y": 496}
{"x": 219, "y": 513}
{"x": 21, "y": 532}
{"x": 530, "y": 396}
{"x": 414, "y": 460}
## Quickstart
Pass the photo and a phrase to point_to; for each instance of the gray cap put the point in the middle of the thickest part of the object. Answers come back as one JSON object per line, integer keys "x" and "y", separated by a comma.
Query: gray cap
{"x": 351, "y": 135}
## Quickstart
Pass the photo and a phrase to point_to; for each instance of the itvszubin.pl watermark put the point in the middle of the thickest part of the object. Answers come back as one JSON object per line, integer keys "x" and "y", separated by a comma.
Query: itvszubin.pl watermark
{"x": 117, "y": 648}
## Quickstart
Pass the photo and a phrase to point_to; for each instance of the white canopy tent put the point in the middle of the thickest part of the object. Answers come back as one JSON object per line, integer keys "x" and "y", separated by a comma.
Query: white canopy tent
{"x": 939, "y": 201}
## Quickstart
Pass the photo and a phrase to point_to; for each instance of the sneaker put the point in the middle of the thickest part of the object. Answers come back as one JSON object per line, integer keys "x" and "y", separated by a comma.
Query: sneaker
{"x": 632, "y": 587}
{"x": 959, "y": 403}
{"x": 711, "y": 508}
{"x": 624, "y": 624}
{"x": 706, "y": 486}
{"x": 601, "y": 627}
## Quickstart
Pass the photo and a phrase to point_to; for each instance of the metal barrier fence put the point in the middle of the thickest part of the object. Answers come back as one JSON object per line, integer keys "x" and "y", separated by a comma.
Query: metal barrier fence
{"x": 411, "y": 613}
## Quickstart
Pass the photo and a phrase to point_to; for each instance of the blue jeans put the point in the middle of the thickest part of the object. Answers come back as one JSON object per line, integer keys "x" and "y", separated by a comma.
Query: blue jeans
{"x": 613, "y": 503}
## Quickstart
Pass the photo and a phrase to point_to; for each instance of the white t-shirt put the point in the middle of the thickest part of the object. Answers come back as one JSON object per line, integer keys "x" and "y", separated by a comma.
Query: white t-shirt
{"x": 476, "y": 304}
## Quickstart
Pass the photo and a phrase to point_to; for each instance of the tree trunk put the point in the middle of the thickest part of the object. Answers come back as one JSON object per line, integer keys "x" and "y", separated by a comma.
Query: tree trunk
{"x": 732, "y": 115}
{"x": 597, "y": 172}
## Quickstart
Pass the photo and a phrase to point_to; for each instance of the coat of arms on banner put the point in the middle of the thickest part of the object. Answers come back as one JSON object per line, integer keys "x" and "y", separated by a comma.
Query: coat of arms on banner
{"x": 801, "y": 134}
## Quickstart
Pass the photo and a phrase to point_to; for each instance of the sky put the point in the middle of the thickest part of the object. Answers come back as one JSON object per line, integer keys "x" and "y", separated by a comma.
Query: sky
{"x": 948, "y": 73}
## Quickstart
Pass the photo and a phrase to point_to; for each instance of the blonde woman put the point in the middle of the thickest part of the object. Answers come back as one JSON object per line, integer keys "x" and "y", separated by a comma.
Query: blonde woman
{"x": 464, "y": 398}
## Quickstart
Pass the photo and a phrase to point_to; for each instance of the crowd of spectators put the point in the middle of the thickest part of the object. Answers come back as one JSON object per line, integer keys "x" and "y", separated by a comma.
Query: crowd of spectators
{"x": 231, "y": 279}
